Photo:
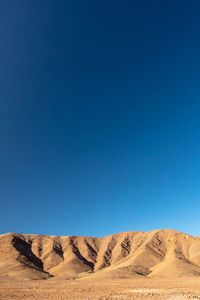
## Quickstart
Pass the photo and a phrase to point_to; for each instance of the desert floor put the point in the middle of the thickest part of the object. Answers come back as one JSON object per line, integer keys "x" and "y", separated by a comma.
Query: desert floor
{"x": 145, "y": 288}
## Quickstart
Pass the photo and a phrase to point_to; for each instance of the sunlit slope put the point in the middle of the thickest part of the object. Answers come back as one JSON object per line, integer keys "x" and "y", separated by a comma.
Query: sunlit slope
{"x": 161, "y": 253}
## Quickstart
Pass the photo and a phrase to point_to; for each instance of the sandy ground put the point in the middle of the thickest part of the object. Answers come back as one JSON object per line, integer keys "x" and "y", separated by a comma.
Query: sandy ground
{"x": 145, "y": 288}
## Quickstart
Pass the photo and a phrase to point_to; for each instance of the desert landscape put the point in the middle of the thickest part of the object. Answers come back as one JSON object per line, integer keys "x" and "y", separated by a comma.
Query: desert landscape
{"x": 99, "y": 150}
{"x": 161, "y": 264}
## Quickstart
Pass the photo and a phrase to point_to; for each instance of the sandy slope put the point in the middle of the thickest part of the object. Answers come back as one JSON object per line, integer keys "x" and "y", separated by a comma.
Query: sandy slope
{"x": 161, "y": 253}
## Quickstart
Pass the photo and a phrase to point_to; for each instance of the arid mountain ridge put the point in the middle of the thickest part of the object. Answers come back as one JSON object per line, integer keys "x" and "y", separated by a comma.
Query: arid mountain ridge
{"x": 162, "y": 253}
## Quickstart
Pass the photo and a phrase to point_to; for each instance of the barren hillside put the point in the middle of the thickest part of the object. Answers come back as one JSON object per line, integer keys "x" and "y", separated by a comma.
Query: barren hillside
{"x": 162, "y": 253}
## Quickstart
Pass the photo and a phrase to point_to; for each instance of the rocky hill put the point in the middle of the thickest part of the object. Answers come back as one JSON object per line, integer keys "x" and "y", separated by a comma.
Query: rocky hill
{"x": 162, "y": 253}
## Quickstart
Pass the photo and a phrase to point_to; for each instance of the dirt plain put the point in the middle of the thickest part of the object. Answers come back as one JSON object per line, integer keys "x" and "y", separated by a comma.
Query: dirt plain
{"x": 137, "y": 288}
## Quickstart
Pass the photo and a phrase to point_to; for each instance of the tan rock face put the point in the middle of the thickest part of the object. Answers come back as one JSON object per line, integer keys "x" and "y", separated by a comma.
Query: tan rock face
{"x": 163, "y": 253}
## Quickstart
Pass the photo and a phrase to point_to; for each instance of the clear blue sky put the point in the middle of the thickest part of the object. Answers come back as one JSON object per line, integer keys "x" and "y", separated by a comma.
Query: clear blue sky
{"x": 99, "y": 116}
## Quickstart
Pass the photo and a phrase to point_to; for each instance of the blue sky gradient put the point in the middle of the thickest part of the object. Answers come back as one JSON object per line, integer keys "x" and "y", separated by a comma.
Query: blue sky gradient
{"x": 99, "y": 116}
